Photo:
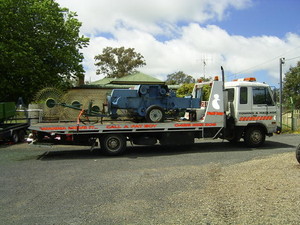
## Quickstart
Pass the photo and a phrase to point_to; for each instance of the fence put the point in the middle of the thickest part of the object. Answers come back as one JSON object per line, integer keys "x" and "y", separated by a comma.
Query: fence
{"x": 291, "y": 120}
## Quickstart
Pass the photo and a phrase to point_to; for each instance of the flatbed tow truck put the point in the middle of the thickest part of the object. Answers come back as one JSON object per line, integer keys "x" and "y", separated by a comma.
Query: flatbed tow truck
{"x": 241, "y": 109}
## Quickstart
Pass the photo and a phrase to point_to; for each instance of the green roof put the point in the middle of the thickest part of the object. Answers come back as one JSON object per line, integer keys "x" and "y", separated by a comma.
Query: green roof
{"x": 103, "y": 81}
{"x": 136, "y": 78}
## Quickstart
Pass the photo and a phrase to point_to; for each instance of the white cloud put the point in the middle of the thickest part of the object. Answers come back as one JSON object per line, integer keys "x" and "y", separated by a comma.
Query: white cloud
{"x": 235, "y": 53}
{"x": 108, "y": 15}
{"x": 136, "y": 24}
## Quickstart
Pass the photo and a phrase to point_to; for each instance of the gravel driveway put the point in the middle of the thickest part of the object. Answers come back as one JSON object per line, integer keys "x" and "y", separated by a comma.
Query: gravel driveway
{"x": 207, "y": 183}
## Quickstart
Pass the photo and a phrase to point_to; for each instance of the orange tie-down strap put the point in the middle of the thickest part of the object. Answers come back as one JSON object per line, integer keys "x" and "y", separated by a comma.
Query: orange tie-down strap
{"x": 79, "y": 115}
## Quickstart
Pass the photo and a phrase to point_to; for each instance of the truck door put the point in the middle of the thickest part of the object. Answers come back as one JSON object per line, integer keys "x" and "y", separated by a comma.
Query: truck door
{"x": 263, "y": 106}
{"x": 244, "y": 102}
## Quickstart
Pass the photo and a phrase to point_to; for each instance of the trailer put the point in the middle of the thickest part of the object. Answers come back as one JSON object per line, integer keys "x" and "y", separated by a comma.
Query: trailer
{"x": 241, "y": 109}
{"x": 12, "y": 127}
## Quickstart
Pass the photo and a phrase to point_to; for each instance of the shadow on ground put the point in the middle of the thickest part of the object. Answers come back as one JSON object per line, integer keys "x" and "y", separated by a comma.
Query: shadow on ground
{"x": 158, "y": 150}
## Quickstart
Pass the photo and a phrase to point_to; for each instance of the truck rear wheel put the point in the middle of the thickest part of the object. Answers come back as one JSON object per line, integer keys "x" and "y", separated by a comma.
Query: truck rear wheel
{"x": 298, "y": 153}
{"x": 155, "y": 114}
{"x": 254, "y": 137}
{"x": 113, "y": 144}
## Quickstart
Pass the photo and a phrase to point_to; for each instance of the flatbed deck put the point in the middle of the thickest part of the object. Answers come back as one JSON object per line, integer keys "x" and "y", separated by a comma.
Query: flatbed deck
{"x": 118, "y": 126}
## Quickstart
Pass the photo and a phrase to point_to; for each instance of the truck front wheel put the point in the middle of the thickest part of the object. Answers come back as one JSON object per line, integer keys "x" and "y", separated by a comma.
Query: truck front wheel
{"x": 254, "y": 137}
{"x": 113, "y": 144}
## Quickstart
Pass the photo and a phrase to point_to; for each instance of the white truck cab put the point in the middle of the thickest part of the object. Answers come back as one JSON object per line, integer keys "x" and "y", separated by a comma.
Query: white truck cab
{"x": 251, "y": 102}
{"x": 247, "y": 105}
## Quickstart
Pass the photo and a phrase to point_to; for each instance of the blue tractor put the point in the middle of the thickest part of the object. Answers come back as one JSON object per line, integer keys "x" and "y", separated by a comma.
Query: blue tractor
{"x": 149, "y": 102}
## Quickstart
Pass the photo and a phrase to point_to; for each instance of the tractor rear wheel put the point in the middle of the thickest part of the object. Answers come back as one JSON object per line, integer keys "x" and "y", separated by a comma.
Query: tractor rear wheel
{"x": 155, "y": 114}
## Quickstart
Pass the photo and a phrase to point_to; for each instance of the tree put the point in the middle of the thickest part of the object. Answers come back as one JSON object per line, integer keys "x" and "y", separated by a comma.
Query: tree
{"x": 179, "y": 78}
{"x": 39, "y": 47}
{"x": 187, "y": 89}
{"x": 291, "y": 86}
{"x": 118, "y": 62}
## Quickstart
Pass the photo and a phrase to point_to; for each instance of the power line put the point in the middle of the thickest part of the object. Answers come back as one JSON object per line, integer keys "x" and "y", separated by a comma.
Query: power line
{"x": 292, "y": 58}
{"x": 251, "y": 68}
{"x": 268, "y": 61}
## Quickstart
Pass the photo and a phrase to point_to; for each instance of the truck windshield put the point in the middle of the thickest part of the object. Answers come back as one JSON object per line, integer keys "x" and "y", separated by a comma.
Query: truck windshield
{"x": 261, "y": 95}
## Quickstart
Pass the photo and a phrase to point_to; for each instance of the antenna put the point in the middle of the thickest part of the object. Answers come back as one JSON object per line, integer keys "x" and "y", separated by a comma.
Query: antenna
{"x": 204, "y": 60}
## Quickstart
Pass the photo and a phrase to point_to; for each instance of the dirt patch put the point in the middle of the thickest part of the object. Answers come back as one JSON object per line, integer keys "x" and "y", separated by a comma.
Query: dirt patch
{"x": 262, "y": 191}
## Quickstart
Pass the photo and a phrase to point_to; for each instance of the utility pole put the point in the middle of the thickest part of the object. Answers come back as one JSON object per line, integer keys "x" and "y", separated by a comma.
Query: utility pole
{"x": 281, "y": 62}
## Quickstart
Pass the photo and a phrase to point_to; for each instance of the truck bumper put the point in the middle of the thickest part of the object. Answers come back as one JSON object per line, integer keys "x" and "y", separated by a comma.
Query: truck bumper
{"x": 278, "y": 130}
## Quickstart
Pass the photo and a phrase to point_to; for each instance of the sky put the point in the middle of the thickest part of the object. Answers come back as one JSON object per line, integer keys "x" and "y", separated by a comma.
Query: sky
{"x": 246, "y": 37}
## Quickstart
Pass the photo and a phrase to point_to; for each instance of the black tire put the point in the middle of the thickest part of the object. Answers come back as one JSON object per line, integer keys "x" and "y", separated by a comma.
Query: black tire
{"x": 21, "y": 135}
{"x": 113, "y": 144}
{"x": 15, "y": 137}
{"x": 298, "y": 153}
{"x": 254, "y": 137}
{"x": 155, "y": 114}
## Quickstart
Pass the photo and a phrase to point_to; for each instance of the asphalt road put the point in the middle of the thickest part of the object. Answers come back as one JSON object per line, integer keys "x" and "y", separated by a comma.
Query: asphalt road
{"x": 72, "y": 185}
